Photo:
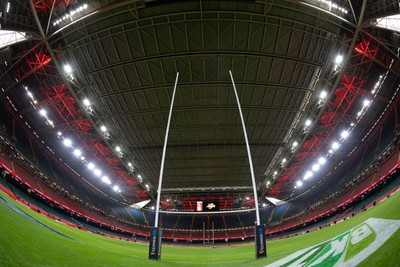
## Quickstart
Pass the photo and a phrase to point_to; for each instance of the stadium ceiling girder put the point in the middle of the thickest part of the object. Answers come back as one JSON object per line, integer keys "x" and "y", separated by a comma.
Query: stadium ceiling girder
{"x": 135, "y": 82}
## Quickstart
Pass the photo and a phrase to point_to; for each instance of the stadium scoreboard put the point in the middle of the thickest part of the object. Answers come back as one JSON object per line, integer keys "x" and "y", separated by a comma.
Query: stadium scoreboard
{"x": 207, "y": 206}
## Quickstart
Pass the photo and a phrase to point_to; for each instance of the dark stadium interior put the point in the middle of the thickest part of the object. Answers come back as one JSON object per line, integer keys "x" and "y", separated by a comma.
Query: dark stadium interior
{"x": 319, "y": 91}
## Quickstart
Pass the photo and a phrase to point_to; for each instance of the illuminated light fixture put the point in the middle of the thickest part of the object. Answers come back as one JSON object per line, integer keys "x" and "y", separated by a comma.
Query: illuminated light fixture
{"x": 97, "y": 172}
{"x": 91, "y": 166}
{"x": 43, "y": 112}
{"x": 335, "y": 145}
{"x": 59, "y": 133}
{"x": 67, "y": 142}
{"x": 247, "y": 198}
{"x": 284, "y": 160}
{"x": 116, "y": 188}
{"x": 338, "y": 59}
{"x": 352, "y": 124}
{"x": 68, "y": 68}
{"x": 8, "y": 7}
{"x": 373, "y": 91}
{"x": 275, "y": 172}
{"x": 323, "y": 95}
{"x": 85, "y": 6}
{"x": 152, "y": 207}
{"x": 308, "y": 122}
{"x": 82, "y": 158}
{"x": 322, "y": 160}
{"x": 264, "y": 204}
{"x": 268, "y": 182}
{"x": 106, "y": 180}
{"x": 308, "y": 174}
{"x": 330, "y": 151}
{"x": 139, "y": 176}
{"x": 344, "y": 134}
{"x": 299, "y": 183}
{"x": 118, "y": 149}
{"x": 295, "y": 144}
{"x": 86, "y": 102}
{"x": 366, "y": 102}
{"x": 103, "y": 128}
{"x": 77, "y": 153}
{"x": 315, "y": 167}
{"x": 129, "y": 164}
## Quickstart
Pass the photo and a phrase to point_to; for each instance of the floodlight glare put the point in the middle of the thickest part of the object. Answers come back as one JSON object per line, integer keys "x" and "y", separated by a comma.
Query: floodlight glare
{"x": 139, "y": 176}
{"x": 299, "y": 183}
{"x": 338, "y": 59}
{"x": 59, "y": 133}
{"x": 335, "y": 145}
{"x": 91, "y": 166}
{"x": 103, "y": 128}
{"x": 308, "y": 122}
{"x": 86, "y": 102}
{"x": 118, "y": 149}
{"x": 77, "y": 152}
{"x": 344, "y": 134}
{"x": 129, "y": 164}
{"x": 268, "y": 182}
{"x": 97, "y": 172}
{"x": 67, "y": 68}
{"x": 284, "y": 160}
{"x": 67, "y": 142}
{"x": 106, "y": 180}
{"x": 321, "y": 160}
{"x": 308, "y": 174}
{"x": 323, "y": 95}
{"x": 43, "y": 112}
{"x": 295, "y": 144}
{"x": 315, "y": 167}
{"x": 275, "y": 172}
{"x": 116, "y": 188}
{"x": 366, "y": 102}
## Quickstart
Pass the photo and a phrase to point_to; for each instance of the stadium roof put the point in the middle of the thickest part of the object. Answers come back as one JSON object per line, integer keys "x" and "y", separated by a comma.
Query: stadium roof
{"x": 112, "y": 100}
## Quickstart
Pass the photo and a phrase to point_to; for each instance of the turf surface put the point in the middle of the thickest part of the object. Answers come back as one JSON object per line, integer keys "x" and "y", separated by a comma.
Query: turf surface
{"x": 25, "y": 242}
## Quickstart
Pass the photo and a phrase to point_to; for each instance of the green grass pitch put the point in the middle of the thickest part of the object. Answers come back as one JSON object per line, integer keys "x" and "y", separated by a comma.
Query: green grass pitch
{"x": 25, "y": 243}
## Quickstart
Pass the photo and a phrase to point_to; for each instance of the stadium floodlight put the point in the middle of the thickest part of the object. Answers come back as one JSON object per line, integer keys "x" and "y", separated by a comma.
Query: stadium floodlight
{"x": 91, "y": 166}
{"x": 247, "y": 198}
{"x": 322, "y": 160}
{"x": 366, "y": 102}
{"x": 67, "y": 68}
{"x": 275, "y": 172}
{"x": 338, "y": 59}
{"x": 330, "y": 151}
{"x": 315, "y": 167}
{"x": 335, "y": 145}
{"x": 323, "y": 95}
{"x": 139, "y": 176}
{"x": 97, "y": 172}
{"x": 67, "y": 142}
{"x": 308, "y": 175}
{"x": 284, "y": 160}
{"x": 116, "y": 188}
{"x": 308, "y": 122}
{"x": 268, "y": 182}
{"x": 264, "y": 204}
{"x": 106, "y": 180}
{"x": 352, "y": 124}
{"x": 59, "y": 133}
{"x": 299, "y": 183}
{"x": 43, "y": 112}
{"x": 103, "y": 128}
{"x": 344, "y": 134}
{"x": 118, "y": 149}
{"x": 129, "y": 164}
{"x": 77, "y": 153}
{"x": 152, "y": 207}
{"x": 86, "y": 102}
{"x": 295, "y": 144}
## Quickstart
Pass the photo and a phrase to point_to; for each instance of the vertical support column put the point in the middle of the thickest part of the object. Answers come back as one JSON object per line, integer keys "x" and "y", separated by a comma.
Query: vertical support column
{"x": 155, "y": 232}
{"x": 259, "y": 236}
